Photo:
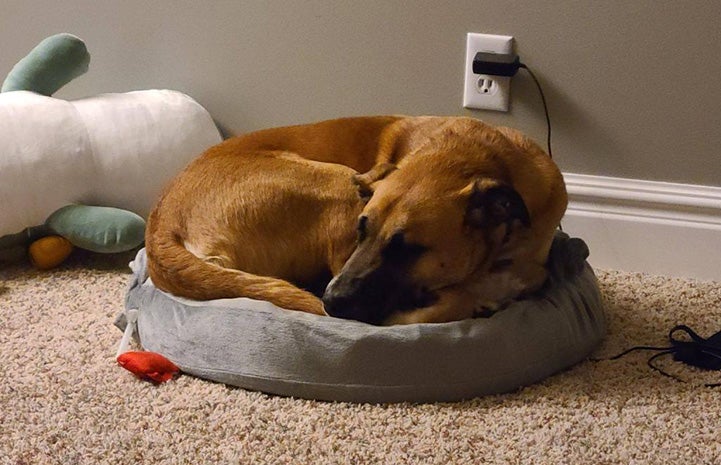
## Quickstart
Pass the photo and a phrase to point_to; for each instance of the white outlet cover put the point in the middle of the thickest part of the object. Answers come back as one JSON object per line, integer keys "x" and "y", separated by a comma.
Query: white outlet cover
{"x": 481, "y": 91}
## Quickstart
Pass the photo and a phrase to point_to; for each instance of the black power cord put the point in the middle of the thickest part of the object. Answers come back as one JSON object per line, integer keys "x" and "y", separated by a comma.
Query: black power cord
{"x": 694, "y": 350}
{"x": 508, "y": 64}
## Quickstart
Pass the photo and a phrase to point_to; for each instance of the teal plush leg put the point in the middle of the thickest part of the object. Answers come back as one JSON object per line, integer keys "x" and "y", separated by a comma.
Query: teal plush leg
{"x": 53, "y": 63}
{"x": 98, "y": 229}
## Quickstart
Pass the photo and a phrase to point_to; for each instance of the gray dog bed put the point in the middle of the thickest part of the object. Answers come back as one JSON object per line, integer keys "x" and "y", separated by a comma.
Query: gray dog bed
{"x": 258, "y": 346}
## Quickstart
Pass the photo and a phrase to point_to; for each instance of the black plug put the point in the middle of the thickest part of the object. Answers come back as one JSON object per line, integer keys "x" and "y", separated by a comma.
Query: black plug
{"x": 496, "y": 64}
{"x": 507, "y": 64}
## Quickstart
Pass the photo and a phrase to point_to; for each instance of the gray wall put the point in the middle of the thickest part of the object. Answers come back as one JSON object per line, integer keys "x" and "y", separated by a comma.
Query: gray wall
{"x": 634, "y": 87}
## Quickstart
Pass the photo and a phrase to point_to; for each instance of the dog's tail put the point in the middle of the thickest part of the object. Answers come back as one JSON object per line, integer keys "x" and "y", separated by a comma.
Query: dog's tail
{"x": 175, "y": 269}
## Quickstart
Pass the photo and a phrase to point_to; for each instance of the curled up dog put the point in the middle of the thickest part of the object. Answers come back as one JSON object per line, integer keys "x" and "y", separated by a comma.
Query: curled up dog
{"x": 449, "y": 217}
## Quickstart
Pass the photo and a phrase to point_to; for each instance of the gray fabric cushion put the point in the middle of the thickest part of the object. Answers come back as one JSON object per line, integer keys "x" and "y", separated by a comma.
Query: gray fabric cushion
{"x": 258, "y": 346}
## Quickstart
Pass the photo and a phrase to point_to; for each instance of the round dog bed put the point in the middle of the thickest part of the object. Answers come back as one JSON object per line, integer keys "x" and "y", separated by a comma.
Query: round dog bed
{"x": 258, "y": 346}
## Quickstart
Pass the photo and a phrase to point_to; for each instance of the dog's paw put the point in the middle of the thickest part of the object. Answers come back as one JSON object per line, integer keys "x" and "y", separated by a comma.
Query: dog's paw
{"x": 567, "y": 257}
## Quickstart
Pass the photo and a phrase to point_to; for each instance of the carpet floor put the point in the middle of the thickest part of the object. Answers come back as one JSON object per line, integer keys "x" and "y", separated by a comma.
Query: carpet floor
{"x": 63, "y": 399}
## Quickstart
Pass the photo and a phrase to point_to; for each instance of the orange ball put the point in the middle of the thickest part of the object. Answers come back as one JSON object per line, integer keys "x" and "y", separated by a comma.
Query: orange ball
{"x": 50, "y": 251}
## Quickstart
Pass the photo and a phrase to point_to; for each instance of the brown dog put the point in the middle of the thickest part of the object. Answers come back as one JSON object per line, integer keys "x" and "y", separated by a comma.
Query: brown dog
{"x": 459, "y": 217}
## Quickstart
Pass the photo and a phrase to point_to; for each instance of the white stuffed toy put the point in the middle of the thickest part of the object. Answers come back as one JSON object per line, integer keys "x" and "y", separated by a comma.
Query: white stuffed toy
{"x": 86, "y": 172}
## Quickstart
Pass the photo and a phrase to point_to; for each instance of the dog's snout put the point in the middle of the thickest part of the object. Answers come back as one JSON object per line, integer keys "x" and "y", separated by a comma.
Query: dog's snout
{"x": 368, "y": 290}
{"x": 345, "y": 297}
{"x": 336, "y": 306}
{"x": 347, "y": 308}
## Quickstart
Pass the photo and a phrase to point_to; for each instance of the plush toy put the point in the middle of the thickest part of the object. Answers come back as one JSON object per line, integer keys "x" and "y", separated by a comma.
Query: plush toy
{"x": 148, "y": 366}
{"x": 85, "y": 173}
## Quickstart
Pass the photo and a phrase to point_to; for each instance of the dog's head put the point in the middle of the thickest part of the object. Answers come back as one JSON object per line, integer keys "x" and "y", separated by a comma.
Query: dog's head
{"x": 425, "y": 228}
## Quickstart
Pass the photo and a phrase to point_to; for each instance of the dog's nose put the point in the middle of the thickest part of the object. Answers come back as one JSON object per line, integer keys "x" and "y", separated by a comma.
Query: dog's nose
{"x": 338, "y": 299}
{"x": 337, "y": 306}
{"x": 347, "y": 308}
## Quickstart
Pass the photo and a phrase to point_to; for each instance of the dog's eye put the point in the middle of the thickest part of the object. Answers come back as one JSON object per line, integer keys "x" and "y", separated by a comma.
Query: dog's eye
{"x": 362, "y": 227}
{"x": 399, "y": 249}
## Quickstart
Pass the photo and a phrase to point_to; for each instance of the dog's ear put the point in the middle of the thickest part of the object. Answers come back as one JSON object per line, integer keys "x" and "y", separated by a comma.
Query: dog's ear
{"x": 493, "y": 204}
{"x": 365, "y": 181}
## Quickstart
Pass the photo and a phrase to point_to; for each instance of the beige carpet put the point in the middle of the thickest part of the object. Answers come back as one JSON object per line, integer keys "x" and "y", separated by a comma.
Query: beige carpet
{"x": 64, "y": 401}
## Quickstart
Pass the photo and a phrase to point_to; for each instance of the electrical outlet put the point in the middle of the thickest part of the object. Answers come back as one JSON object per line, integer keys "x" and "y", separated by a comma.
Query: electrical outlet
{"x": 482, "y": 91}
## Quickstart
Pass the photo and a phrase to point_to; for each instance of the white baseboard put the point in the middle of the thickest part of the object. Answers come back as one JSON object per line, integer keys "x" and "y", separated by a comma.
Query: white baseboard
{"x": 652, "y": 227}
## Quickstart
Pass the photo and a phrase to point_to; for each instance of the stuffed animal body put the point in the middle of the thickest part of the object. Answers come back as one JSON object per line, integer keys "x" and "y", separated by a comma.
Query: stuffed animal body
{"x": 86, "y": 170}
{"x": 113, "y": 149}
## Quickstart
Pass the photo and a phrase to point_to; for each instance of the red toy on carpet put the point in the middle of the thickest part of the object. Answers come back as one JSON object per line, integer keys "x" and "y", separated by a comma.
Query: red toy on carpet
{"x": 149, "y": 366}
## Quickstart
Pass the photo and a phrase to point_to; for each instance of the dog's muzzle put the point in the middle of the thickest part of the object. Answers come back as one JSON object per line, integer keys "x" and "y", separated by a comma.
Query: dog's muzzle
{"x": 353, "y": 299}
{"x": 372, "y": 300}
